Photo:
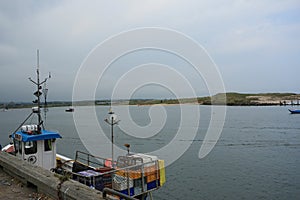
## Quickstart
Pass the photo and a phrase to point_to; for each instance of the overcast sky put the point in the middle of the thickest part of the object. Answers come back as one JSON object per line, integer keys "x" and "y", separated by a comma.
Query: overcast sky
{"x": 255, "y": 43}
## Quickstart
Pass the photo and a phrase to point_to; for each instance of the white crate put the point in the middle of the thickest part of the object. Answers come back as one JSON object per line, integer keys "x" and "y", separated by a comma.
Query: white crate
{"x": 146, "y": 159}
{"x": 121, "y": 183}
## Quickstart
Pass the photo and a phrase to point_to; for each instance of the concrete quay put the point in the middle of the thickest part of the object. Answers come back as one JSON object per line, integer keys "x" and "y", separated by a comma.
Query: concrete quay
{"x": 43, "y": 181}
{"x": 12, "y": 189}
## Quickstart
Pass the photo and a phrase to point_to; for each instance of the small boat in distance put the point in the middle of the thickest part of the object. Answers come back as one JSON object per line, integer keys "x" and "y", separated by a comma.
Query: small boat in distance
{"x": 70, "y": 109}
{"x": 294, "y": 111}
{"x": 5, "y": 109}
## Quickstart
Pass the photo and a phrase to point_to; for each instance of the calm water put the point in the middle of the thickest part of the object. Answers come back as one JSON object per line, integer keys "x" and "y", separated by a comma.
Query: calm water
{"x": 256, "y": 157}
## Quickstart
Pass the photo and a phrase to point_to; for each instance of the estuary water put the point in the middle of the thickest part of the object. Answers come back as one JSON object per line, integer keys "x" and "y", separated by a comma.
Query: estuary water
{"x": 256, "y": 157}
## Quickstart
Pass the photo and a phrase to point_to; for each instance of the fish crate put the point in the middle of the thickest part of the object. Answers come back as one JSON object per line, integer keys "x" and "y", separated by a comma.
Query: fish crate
{"x": 121, "y": 183}
{"x": 78, "y": 167}
{"x": 138, "y": 186}
{"x": 151, "y": 169}
{"x": 152, "y": 172}
{"x": 143, "y": 159}
{"x": 133, "y": 174}
{"x": 130, "y": 192}
{"x": 137, "y": 165}
{"x": 153, "y": 185}
{"x": 127, "y": 167}
{"x": 91, "y": 178}
{"x": 106, "y": 176}
{"x": 162, "y": 173}
{"x": 152, "y": 177}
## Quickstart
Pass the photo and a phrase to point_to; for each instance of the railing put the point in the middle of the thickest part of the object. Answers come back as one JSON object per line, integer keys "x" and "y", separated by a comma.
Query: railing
{"x": 130, "y": 176}
{"x": 89, "y": 160}
{"x": 113, "y": 192}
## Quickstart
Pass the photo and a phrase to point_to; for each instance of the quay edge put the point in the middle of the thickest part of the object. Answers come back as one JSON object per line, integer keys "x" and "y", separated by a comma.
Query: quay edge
{"x": 45, "y": 181}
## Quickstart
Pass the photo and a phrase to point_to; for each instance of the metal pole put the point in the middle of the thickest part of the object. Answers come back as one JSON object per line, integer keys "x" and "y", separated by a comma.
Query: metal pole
{"x": 112, "y": 141}
{"x": 112, "y": 121}
{"x": 38, "y": 89}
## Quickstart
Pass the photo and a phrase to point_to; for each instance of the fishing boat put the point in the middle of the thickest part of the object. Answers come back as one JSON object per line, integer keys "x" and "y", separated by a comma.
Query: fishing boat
{"x": 294, "y": 111}
{"x": 130, "y": 176}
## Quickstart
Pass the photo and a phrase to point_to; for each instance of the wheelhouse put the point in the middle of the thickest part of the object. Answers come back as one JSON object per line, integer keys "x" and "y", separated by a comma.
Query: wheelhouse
{"x": 37, "y": 147}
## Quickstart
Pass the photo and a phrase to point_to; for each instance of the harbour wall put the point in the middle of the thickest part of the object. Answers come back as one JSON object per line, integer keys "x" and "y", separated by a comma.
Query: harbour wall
{"x": 45, "y": 181}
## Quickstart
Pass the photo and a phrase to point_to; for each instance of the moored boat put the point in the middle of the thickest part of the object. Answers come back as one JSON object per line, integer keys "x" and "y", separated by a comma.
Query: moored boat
{"x": 70, "y": 109}
{"x": 131, "y": 175}
{"x": 294, "y": 111}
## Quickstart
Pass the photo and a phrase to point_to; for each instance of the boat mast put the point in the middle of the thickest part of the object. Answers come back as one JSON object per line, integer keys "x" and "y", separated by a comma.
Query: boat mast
{"x": 38, "y": 93}
{"x": 38, "y": 90}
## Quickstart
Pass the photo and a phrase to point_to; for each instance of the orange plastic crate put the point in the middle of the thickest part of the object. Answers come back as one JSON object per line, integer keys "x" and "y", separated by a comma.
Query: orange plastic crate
{"x": 131, "y": 173}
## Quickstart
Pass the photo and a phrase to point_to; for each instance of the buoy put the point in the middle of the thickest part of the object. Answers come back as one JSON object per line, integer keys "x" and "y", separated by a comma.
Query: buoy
{"x": 108, "y": 163}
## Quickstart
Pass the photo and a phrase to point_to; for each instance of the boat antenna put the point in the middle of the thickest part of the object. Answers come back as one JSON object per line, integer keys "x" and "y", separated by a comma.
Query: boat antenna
{"x": 45, "y": 92}
{"x": 38, "y": 93}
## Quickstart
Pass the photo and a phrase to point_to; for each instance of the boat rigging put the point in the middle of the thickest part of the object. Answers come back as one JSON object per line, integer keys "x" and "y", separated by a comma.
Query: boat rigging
{"x": 130, "y": 176}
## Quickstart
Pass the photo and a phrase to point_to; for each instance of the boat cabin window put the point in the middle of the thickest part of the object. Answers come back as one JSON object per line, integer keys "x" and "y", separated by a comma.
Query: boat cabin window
{"x": 18, "y": 146}
{"x": 30, "y": 147}
{"x": 48, "y": 145}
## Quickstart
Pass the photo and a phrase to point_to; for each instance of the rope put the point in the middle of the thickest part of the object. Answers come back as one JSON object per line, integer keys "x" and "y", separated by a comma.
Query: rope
{"x": 22, "y": 123}
{"x": 62, "y": 179}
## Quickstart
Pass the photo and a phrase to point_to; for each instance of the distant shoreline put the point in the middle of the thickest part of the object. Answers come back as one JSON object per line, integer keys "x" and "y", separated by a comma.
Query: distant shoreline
{"x": 229, "y": 99}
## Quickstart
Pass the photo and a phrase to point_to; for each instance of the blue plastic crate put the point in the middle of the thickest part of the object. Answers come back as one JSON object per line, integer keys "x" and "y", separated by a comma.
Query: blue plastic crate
{"x": 152, "y": 185}
{"x": 131, "y": 190}
{"x": 90, "y": 178}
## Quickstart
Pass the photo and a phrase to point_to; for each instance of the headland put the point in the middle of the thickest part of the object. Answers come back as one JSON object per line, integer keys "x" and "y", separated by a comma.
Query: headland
{"x": 229, "y": 99}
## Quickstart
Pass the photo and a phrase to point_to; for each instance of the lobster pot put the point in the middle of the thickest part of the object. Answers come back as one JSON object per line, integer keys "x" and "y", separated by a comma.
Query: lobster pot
{"x": 121, "y": 183}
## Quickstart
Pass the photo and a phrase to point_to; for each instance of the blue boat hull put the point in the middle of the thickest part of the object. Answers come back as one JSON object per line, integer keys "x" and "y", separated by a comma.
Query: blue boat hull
{"x": 294, "y": 111}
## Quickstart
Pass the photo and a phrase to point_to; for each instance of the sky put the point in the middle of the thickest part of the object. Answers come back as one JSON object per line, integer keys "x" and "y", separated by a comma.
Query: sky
{"x": 254, "y": 44}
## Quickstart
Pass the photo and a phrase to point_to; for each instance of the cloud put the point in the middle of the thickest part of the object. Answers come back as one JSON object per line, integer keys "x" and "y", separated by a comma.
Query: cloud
{"x": 235, "y": 32}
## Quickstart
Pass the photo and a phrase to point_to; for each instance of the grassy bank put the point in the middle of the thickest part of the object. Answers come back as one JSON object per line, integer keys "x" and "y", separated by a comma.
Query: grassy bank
{"x": 240, "y": 99}
{"x": 231, "y": 99}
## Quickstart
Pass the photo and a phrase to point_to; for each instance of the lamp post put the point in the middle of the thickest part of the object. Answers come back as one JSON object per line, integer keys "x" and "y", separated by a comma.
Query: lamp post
{"x": 112, "y": 121}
